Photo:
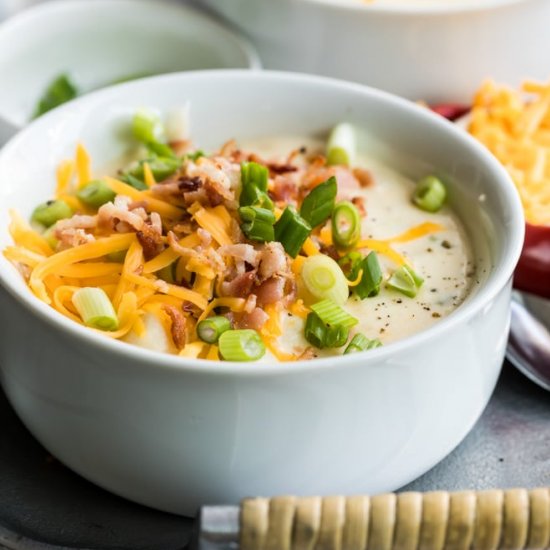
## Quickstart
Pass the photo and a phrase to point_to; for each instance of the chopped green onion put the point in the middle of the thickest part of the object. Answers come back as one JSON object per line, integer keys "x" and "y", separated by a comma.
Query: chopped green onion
{"x": 318, "y": 204}
{"x": 324, "y": 279}
{"x": 59, "y": 91}
{"x": 341, "y": 146}
{"x": 332, "y": 314}
{"x": 254, "y": 174}
{"x": 291, "y": 230}
{"x": 430, "y": 194}
{"x": 406, "y": 281}
{"x": 241, "y": 345}
{"x": 195, "y": 155}
{"x": 95, "y": 308}
{"x": 147, "y": 127}
{"x": 96, "y": 193}
{"x": 346, "y": 224}
{"x": 132, "y": 181}
{"x": 253, "y": 196}
{"x": 209, "y": 330}
{"x": 50, "y": 212}
{"x": 258, "y": 223}
{"x": 351, "y": 264}
{"x": 161, "y": 149}
{"x": 361, "y": 343}
{"x": 321, "y": 335}
{"x": 161, "y": 167}
{"x": 371, "y": 279}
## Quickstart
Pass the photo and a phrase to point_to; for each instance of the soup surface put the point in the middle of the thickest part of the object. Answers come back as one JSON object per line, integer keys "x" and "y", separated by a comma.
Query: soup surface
{"x": 286, "y": 248}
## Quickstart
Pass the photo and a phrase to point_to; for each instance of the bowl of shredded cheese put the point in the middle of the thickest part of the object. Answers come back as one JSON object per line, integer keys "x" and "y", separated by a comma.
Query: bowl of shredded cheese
{"x": 514, "y": 124}
{"x": 291, "y": 285}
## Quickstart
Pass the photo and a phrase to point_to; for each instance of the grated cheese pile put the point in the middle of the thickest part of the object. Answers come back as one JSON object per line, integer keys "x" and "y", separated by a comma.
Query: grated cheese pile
{"x": 515, "y": 126}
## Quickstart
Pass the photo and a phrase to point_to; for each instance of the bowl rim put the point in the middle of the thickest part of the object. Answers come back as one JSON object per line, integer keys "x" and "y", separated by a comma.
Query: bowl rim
{"x": 498, "y": 279}
{"x": 465, "y": 6}
{"x": 31, "y": 17}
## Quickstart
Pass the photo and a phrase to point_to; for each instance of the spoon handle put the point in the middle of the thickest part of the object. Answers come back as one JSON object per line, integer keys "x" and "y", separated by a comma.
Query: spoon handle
{"x": 482, "y": 520}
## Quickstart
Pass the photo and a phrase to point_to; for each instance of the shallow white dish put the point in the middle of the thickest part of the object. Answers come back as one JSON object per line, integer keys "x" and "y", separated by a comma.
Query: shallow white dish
{"x": 435, "y": 53}
{"x": 175, "y": 433}
{"x": 100, "y": 41}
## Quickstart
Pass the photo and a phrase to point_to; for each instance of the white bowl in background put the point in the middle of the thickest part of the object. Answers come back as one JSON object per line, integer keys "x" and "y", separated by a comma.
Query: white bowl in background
{"x": 100, "y": 41}
{"x": 438, "y": 52}
{"x": 175, "y": 433}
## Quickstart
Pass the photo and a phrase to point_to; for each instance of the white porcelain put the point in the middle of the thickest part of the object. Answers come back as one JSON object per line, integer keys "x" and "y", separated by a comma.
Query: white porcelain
{"x": 175, "y": 433}
{"x": 439, "y": 53}
{"x": 100, "y": 41}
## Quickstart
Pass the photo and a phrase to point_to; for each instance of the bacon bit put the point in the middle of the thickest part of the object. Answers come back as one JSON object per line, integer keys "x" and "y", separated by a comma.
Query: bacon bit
{"x": 254, "y": 320}
{"x": 228, "y": 149}
{"x": 271, "y": 291}
{"x": 360, "y": 204}
{"x": 180, "y": 146}
{"x": 330, "y": 251}
{"x": 151, "y": 241}
{"x": 76, "y": 222}
{"x": 364, "y": 177}
{"x": 186, "y": 184}
{"x": 284, "y": 189}
{"x": 273, "y": 261}
{"x": 241, "y": 286}
{"x": 213, "y": 194}
{"x": 178, "y": 249}
{"x": 138, "y": 204}
{"x": 178, "y": 325}
{"x": 276, "y": 168}
{"x": 308, "y": 353}
{"x": 70, "y": 238}
{"x": 250, "y": 303}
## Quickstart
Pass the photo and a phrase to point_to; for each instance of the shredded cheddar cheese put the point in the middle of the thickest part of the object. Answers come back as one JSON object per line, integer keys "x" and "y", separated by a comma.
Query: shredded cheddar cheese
{"x": 515, "y": 126}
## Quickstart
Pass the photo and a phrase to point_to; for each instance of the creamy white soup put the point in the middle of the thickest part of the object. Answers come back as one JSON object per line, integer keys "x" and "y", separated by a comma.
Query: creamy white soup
{"x": 281, "y": 248}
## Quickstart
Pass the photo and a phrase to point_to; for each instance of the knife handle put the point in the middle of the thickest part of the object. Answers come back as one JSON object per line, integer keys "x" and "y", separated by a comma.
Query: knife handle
{"x": 514, "y": 519}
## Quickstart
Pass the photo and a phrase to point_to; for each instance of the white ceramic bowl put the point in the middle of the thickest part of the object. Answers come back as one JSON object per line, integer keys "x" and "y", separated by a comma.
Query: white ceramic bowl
{"x": 435, "y": 53}
{"x": 175, "y": 433}
{"x": 100, "y": 41}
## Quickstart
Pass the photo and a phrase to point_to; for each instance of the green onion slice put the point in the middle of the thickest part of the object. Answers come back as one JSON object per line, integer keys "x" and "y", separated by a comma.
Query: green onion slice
{"x": 95, "y": 308}
{"x": 209, "y": 330}
{"x": 241, "y": 345}
{"x": 321, "y": 335}
{"x": 351, "y": 264}
{"x": 430, "y": 194}
{"x": 254, "y": 174}
{"x": 257, "y": 223}
{"x": 361, "y": 343}
{"x": 324, "y": 279}
{"x": 371, "y": 279}
{"x": 96, "y": 194}
{"x": 341, "y": 146}
{"x": 59, "y": 91}
{"x": 291, "y": 230}
{"x": 332, "y": 314}
{"x": 318, "y": 205}
{"x": 50, "y": 212}
{"x": 147, "y": 127}
{"x": 346, "y": 225}
{"x": 406, "y": 281}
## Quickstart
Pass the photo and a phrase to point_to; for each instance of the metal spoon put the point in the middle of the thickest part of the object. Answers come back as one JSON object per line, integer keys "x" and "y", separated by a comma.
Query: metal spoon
{"x": 529, "y": 343}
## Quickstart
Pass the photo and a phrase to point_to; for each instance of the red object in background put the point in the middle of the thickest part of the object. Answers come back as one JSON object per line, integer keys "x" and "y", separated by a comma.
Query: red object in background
{"x": 533, "y": 270}
{"x": 450, "y": 111}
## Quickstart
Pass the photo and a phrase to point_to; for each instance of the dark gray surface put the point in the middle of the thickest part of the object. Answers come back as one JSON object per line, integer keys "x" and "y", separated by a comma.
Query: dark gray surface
{"x": 45, "y": 502}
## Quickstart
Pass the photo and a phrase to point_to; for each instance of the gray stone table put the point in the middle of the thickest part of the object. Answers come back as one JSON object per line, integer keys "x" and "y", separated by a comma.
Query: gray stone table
{"x": 44, "y": 506}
